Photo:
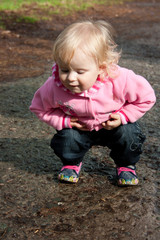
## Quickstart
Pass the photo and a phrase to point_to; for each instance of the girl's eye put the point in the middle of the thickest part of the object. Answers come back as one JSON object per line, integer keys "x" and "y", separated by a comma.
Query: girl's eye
{"x": 80, "y": 72}
{"x": 64, "y": 70}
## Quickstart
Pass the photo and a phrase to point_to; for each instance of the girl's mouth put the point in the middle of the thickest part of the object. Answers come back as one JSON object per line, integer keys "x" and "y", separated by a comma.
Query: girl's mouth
{"x": 73, "y": 85}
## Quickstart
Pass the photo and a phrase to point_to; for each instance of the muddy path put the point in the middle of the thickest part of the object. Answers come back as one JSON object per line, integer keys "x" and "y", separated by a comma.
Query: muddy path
{"x": 33, "y": 204}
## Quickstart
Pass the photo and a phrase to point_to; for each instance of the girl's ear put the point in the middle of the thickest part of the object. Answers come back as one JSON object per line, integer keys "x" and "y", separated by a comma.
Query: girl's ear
{"x": 103, "y": 68}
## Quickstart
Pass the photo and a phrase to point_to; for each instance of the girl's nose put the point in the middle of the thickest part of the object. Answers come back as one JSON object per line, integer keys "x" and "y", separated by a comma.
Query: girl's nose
{"x": 72, "y": 76}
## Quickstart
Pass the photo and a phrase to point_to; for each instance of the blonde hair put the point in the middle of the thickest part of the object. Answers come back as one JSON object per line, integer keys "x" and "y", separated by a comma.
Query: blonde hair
{"x": 93, "y": 37}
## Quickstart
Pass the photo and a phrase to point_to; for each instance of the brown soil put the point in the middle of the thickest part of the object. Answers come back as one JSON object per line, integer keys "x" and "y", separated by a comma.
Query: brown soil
{"x": 33, "y": 204}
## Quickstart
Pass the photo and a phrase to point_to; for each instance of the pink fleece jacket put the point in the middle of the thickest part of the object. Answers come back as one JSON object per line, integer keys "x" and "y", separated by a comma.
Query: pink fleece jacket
{"x": 128, "y": 94}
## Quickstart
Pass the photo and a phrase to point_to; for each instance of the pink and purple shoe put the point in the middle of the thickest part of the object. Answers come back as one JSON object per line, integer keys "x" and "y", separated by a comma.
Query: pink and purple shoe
{"x": 126, "y": 176}
{"x": 70, "y": 173}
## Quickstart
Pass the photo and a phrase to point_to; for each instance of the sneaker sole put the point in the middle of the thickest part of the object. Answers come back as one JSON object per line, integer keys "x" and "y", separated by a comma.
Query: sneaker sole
{"x": 122, "y": 182}
{"x": 64, "y": 178}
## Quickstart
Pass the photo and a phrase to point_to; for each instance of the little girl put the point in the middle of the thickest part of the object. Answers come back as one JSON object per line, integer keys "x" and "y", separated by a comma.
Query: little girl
{"x": 90, "y": 100}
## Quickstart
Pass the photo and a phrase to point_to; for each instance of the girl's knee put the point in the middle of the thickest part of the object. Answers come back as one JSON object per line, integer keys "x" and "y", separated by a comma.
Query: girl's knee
{"x": 134, "y": 136}
{"x": 61, "y": 137}
{"x": 70, "y": 145}
{"x": 70, "y": 140}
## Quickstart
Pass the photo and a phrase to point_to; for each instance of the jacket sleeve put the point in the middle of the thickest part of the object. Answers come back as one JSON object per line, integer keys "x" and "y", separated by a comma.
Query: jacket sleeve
{"x": 44, "y": 109}
{"x": 139, "y": 97}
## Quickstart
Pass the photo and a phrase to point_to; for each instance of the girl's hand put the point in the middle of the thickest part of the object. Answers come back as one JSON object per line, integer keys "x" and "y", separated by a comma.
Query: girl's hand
{"x": 113, "y": 122}
{"x": 74, "y": 123}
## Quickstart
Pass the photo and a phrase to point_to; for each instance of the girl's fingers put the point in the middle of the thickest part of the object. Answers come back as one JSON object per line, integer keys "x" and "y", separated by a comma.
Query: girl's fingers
{"x": 115, "y": 116}
{"x": 74, "y": 119}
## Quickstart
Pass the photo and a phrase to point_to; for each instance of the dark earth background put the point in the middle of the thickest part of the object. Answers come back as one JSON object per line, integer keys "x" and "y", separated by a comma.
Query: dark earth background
{"x": 33, "y": 204}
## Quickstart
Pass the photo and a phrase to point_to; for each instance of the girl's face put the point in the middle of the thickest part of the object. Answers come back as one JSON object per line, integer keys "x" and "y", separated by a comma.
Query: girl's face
{"x": 81, "y": 74}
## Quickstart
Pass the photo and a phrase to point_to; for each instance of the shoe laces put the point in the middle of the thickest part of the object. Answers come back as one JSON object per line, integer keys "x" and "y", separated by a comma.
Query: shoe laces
{"x": 73, "y": 167}
{"x": 126, "y": 169}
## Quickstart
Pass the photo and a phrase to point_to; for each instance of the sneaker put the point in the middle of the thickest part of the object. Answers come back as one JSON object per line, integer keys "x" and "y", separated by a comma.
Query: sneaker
{"x": 126, "y": 176}
{"x": 70, "y": 173}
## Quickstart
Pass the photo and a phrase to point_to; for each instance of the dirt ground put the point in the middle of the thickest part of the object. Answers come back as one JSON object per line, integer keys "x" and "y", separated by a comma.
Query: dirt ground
{"x": 33, "y": 204}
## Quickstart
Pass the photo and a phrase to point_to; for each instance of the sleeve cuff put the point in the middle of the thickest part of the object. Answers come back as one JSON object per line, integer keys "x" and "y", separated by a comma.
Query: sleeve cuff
{"x": 66, "y": 122}
{"x": 124, "y": 118}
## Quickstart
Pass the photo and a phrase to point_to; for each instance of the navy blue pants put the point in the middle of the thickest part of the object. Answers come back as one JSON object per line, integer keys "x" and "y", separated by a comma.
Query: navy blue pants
{"x": 125, "y": 143}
